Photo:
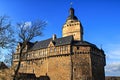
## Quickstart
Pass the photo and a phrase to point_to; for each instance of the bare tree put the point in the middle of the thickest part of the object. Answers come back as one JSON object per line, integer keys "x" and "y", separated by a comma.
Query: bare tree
{"x": 26, "y": 32}
{"x": 6, "y": 33}
{"x": 7, "y": 40}
{"x": 9, "y": 57}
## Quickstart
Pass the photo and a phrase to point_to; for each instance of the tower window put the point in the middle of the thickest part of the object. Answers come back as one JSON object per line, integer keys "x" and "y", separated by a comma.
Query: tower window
{"x": 55, "y": 49}
{"x": 50, "y": 49}
{"x": 77, "y": 48}
{"x": 74, "y": 69}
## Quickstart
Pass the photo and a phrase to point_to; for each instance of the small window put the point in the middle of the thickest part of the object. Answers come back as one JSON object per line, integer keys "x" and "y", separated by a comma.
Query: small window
{"x": 74, "y": 69}
{"x": 55, "y": 49}
{"x": 61, "y": 48}
{"x": 50, "y": 49}
{"x": 28, "y": 62}
{"x": 21, "y": 65}
{"x": 77, "y": 48}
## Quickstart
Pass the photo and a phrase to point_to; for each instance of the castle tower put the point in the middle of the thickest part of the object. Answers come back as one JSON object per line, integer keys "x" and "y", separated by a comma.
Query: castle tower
{"x": 73, "y": 27}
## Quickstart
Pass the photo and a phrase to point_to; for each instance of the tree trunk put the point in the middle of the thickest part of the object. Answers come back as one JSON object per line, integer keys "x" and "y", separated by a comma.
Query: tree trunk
{"x": 19, "y": 63}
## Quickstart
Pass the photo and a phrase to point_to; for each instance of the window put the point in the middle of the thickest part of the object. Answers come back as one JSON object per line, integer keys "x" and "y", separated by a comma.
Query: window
{"x": 74, "y": 69}
{"x": 77, "y": 48}
{"x": 21, "y": 65}
{"x": 50, "y": 49}
{"x": 55, "y": 50}
{"x": 17, "y": 49}
{"x": 28, "y": 62}
{"x": 46, "y": 51}
{"x": 16, "y": 56}
{"x": 64, "y": 48}
{"x": 61, "y": 48}
{"x": 29, "y": 55}
{"x": 39, "y": 54}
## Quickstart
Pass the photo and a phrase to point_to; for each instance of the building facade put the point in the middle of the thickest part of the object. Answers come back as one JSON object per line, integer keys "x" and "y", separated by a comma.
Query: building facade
{"x": 65, "y": 58}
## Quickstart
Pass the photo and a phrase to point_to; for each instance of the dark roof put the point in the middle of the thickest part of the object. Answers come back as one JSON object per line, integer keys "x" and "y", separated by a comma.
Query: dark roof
{"x": 63, "y": 40}
{"x": 57, "y": 42}
{"x": 2, "y": 65}
{"x": 27, "y": 76}
{"x": 41, "y": 44}
{"x": 28, "y": 43}
{"x": 72, "y": 16}
{"x": 83, "y": 43}
{"x": 60, "y": 41}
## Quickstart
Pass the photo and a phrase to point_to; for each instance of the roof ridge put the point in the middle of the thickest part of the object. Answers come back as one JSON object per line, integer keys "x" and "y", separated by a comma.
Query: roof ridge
{"x": 55, "y": 39}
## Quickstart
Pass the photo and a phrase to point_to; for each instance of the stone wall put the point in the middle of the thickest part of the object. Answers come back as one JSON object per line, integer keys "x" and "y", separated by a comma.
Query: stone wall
{"x": 97, "y": 63}
{"x": 81, "y": 66}
{"x": 72, "y": 29}
{"x": 57, "y": 68}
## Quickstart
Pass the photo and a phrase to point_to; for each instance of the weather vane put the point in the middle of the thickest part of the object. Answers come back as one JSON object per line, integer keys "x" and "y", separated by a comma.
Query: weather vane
{"x": 71, "y": 4}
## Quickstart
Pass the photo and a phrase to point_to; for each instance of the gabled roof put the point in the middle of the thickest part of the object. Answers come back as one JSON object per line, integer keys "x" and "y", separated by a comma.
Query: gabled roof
{"x": 57, "y": 42}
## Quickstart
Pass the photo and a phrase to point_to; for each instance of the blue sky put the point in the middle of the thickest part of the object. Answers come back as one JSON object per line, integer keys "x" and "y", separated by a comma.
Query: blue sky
{"x": 100, "y": 19}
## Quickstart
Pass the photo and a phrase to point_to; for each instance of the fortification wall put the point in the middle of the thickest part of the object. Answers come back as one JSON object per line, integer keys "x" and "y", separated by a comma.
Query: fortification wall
{"x": 56, "y": 68}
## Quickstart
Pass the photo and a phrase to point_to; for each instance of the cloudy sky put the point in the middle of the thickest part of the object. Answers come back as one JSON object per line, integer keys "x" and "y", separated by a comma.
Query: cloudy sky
{"x": 100, "y": 19}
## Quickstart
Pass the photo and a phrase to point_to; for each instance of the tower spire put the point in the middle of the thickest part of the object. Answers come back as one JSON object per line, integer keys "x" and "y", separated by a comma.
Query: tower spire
{"x": 71, "y": 12}
{"x": 73, "y": 26}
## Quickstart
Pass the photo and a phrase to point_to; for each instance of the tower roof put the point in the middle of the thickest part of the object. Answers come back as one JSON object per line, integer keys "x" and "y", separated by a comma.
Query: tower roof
{"x": 72, "y": 15}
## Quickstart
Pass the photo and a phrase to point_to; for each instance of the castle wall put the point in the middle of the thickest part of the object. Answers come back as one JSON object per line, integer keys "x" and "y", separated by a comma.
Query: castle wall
{"x": 81, "y": 67}
{"x": 85, "y": 63}
{"x": 97, "y": 62}
{"x": 60, "y": 68}
{"x": 57, "y": 68}
{"x": 55, "y": 62}
{"x": 81, "y": 63}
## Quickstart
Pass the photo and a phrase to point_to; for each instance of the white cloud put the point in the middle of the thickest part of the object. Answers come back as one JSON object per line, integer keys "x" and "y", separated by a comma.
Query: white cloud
{"x": 112, "y": 52}
{"x": 114, "y": 55}
{"x": 27, "y": 24}
{"x": 113, "y": 69}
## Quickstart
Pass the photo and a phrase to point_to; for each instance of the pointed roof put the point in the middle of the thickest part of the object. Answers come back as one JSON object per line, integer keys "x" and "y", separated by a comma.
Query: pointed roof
{"x": 72, "y": 15}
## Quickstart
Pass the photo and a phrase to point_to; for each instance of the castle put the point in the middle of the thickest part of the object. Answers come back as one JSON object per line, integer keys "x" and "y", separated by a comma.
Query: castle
{"x": 65, "y": 58}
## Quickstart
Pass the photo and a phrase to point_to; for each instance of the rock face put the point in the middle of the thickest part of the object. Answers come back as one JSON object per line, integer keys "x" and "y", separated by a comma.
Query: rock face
{"x": 65, "y": 58}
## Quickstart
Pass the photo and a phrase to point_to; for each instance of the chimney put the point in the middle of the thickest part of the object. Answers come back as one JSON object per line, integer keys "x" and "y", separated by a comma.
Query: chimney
{"x": 54, "y": 37}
